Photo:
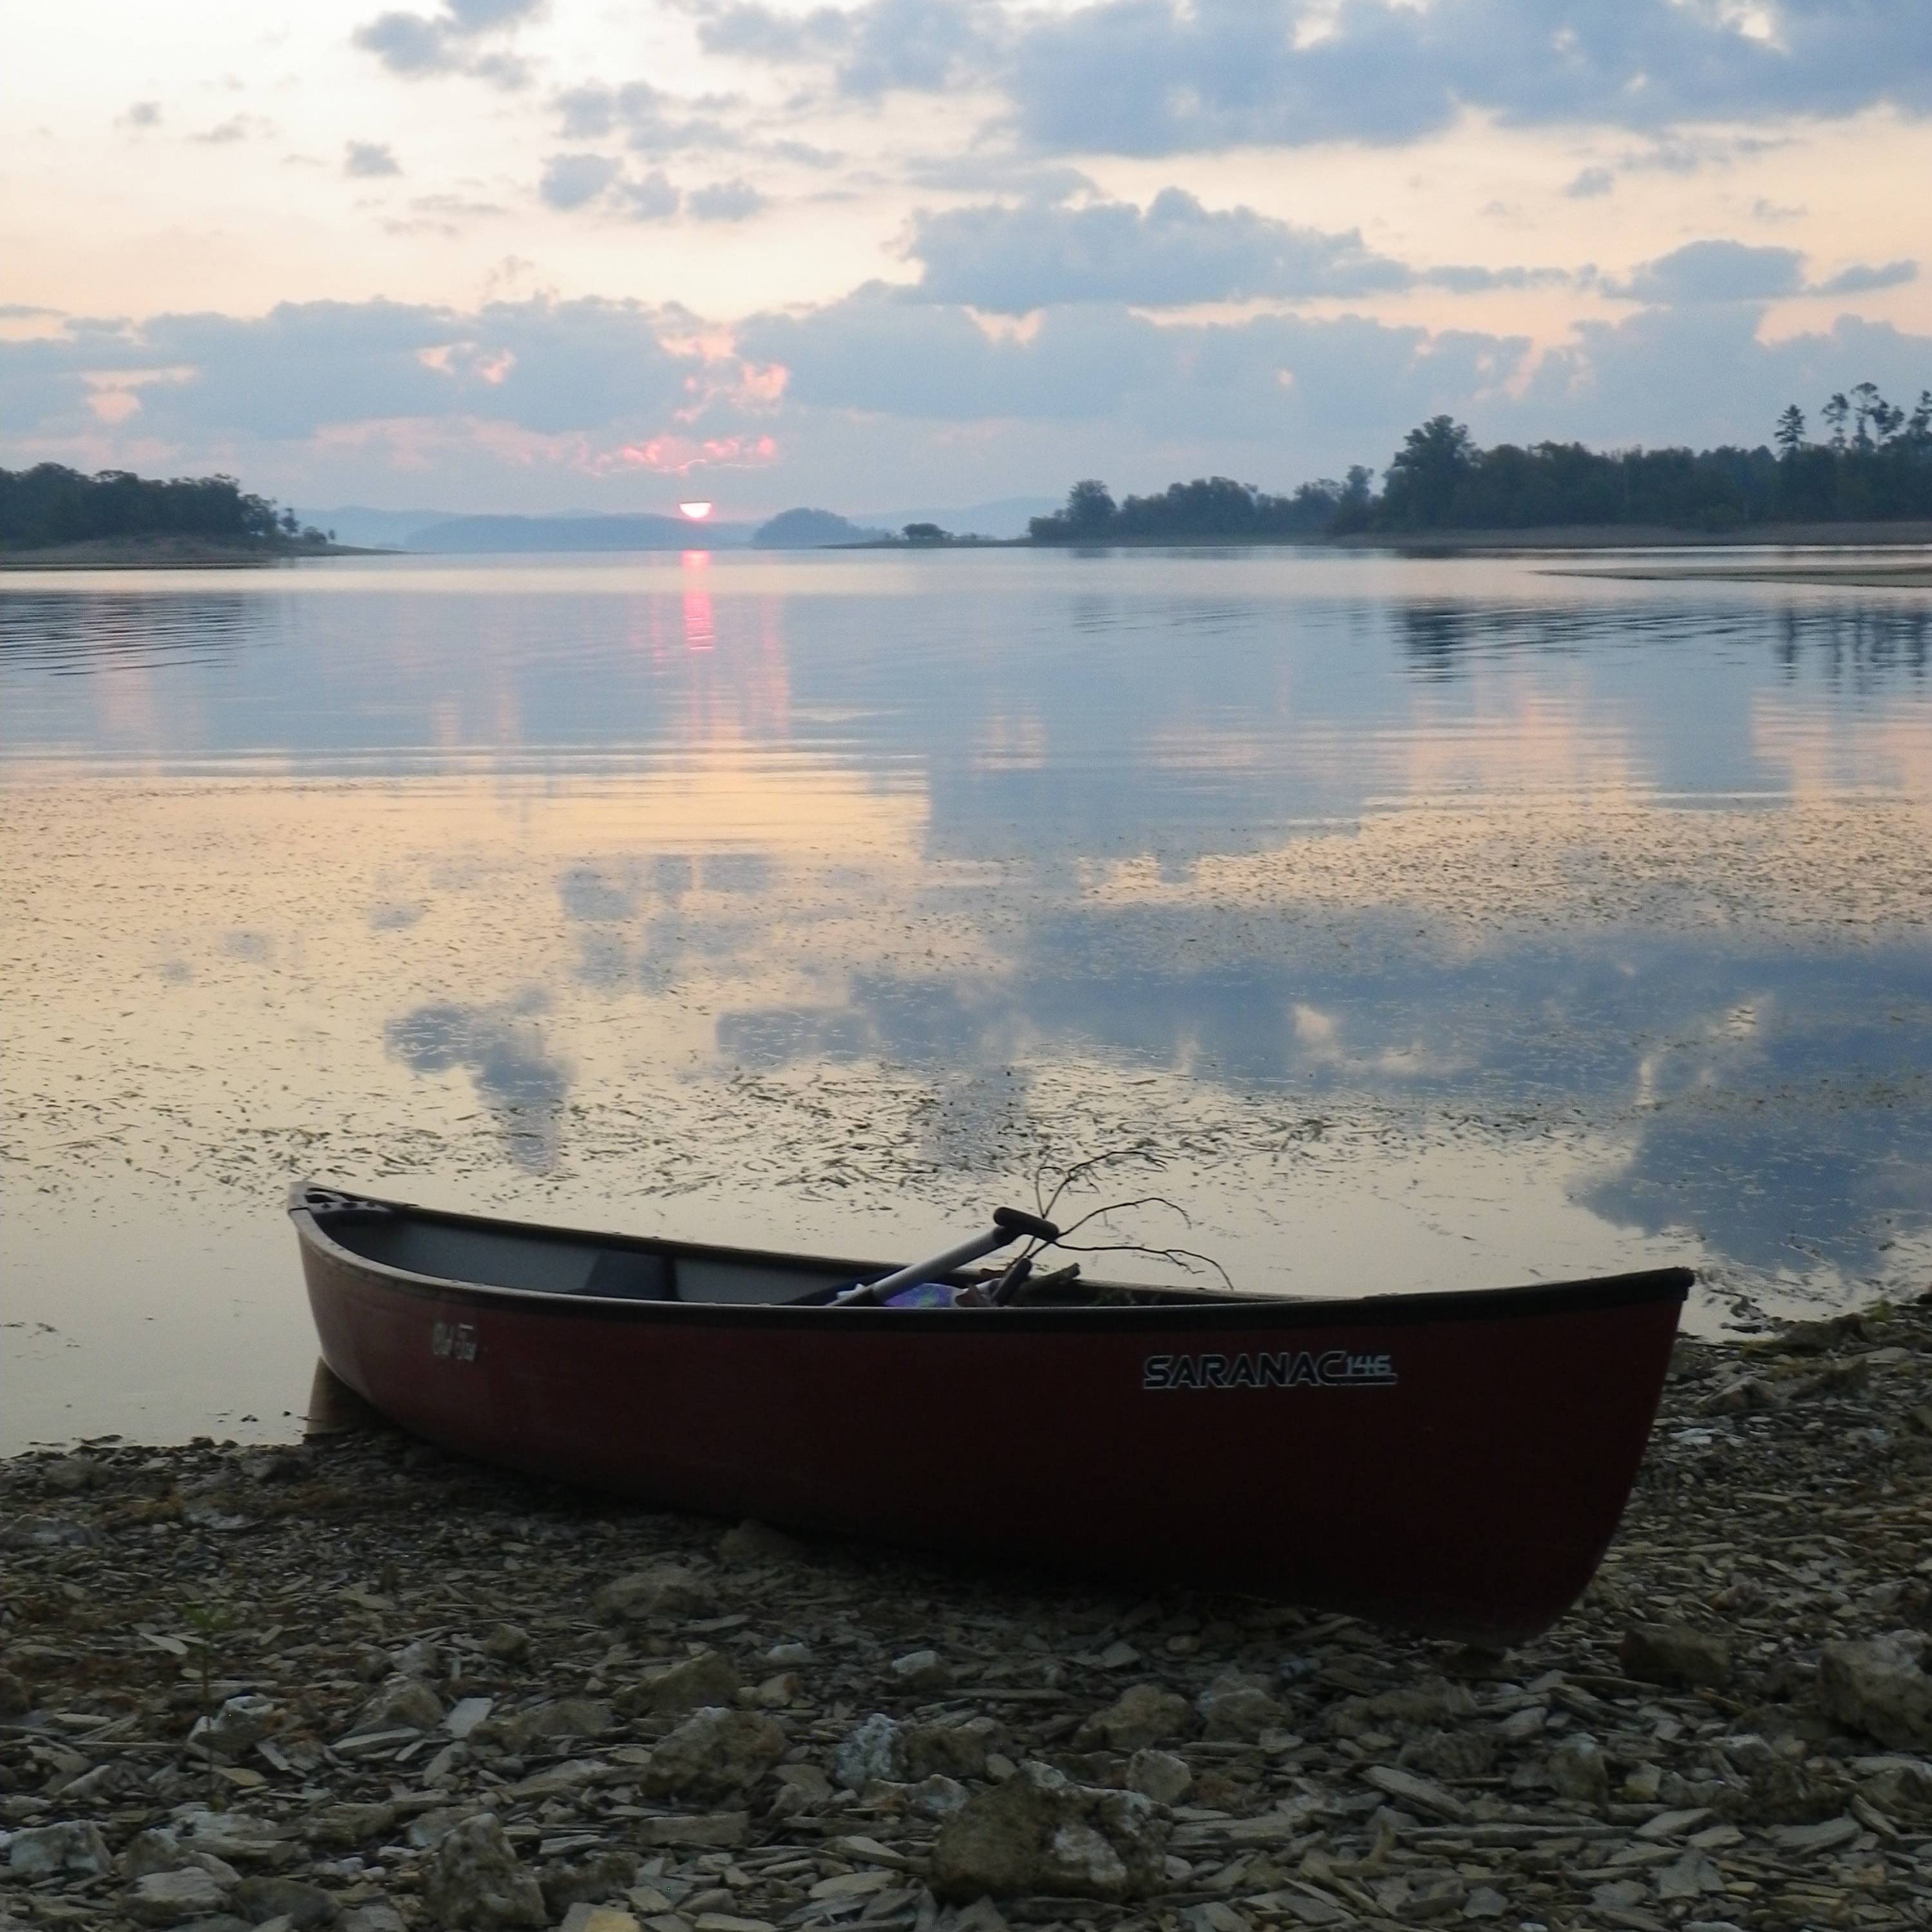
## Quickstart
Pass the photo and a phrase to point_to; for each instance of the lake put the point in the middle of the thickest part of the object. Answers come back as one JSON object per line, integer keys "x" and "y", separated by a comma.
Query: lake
{"x": 1419, "y": 923}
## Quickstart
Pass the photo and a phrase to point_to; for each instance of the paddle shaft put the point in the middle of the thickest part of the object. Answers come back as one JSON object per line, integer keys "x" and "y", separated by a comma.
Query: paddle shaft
{"x": 1010, "y": 1225}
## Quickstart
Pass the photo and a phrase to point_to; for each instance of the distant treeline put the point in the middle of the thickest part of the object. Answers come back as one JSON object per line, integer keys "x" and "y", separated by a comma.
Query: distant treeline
{"x": 1875, "y": 465}
{"x": 50, "y": 504}
{"x": 1210, "y": 506}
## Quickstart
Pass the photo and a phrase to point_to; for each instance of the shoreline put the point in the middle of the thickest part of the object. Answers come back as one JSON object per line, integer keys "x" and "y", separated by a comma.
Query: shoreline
{"x": 429, "y": 1681}
{"x": 168, "y": 554}
{"x": 1829, "y": 538}
{"x": 1871, "y": 575}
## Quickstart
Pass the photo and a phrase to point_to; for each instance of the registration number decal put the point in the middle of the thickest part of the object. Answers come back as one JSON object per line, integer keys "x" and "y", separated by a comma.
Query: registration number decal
{"x": 1335, "y": 1368}
{"x": 454, "y": 1341}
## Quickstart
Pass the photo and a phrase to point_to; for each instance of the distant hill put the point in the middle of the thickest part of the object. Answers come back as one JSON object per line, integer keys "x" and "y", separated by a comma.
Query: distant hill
{"x": 811, "y": 530}
{"x": 375, "y": 529}
{"x": 478, "y": 536}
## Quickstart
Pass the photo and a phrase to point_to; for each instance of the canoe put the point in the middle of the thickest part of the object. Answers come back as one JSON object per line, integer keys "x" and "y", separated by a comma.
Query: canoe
{"x": 1454, "y": 1463}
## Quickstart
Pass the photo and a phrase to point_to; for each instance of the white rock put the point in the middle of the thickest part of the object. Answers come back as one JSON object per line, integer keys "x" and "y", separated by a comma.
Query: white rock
{"x": 1160, "y": 1775}
{"x": 875, "y": 1749}
{"x": 174, "y": 1897}
{"x": 240, "y": 1722}
{"x": 466, "y": 1714}
{"x": 476, "y": 1883}
{"x": 72, "y": 1849}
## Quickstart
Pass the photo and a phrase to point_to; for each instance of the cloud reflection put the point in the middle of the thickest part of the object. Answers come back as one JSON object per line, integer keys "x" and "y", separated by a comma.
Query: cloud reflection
{"x": 503, "y": 1050}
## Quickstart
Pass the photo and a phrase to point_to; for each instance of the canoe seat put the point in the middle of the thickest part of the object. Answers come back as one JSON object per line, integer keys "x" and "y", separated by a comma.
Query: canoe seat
{"x": 622, "y": 1275}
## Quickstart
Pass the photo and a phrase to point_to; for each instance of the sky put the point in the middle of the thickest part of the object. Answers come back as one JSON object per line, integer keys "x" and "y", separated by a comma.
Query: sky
{"x": 545, "y": 255}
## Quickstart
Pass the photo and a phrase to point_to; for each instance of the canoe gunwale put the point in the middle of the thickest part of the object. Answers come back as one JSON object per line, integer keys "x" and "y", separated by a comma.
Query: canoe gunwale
{"x": 1240, "y": 1311}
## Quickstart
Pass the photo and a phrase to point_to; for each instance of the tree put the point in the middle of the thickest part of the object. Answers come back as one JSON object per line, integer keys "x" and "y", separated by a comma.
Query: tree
{"x": 923, "y": 533}
{"x": 1432, "y": 464}
{"x": 1790, "y": 432}
{"x": 1090, "y": 508}
{"x": 1834, "y": 413}
{"x": 1869, "y": 403}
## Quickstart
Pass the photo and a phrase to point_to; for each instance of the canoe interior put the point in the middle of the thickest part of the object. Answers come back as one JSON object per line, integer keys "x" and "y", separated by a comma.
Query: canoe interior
{"x": 600, "y": 1267}
{"x": 545, "y": 1263}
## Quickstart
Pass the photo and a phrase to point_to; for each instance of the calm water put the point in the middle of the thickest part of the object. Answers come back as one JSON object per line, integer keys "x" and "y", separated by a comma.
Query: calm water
{"x": 1431, "y": 923}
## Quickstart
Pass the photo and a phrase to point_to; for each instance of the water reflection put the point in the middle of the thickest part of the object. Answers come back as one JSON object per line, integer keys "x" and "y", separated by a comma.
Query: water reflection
{"x": 1467, "y": 924}
{"x": 501, "y": 1050}
{"x": 69, "y": 634}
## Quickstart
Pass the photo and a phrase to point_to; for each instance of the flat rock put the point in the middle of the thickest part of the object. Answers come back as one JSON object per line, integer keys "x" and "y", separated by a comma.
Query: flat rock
{"x": 240, "y": 1722}
{"x": 591, "y": 1877}
{"x": 1143, "y": 1713}
{"x": 174, "y": 1897}
{"x": 345, "y": 1826}
{"x": 752, "y": 1543}
{"x": 74, "y": 1849}
{"x": 1579, "y": 1771}
{"x": 714, "y": 1829}
{"x": 689, "y": 1685}
{"x": 1674, "y": 1654}
{"x": 1407, "y": 1789}
{"x": 402, "y": 1704}
{"x": 1039, "y": 1833}
{"x": 663, "y": 1590}
{"x": 1160, "y": 1775}
{"x": 713, "y": 1753}
{"x": 476, "y": 1884}
{"x": 1879, "y": 1687}
{"x": 945, "y": 1751}
{"x": 1236, "y": 1706}
{"x": 301, "y": 1904}
{"x": 874, "y": 1749}
{"x": 599, "y": 1918}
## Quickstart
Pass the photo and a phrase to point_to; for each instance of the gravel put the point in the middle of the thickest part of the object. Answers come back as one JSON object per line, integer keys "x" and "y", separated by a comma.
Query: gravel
{"x": 358, "y": 1684}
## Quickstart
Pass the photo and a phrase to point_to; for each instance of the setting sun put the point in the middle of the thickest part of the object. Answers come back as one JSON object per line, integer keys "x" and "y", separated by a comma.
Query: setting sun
{"x": 697, "y": 512}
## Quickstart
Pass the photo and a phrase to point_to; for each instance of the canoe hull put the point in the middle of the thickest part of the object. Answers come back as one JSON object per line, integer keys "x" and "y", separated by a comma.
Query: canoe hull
{"x": 1452, "y": 1463}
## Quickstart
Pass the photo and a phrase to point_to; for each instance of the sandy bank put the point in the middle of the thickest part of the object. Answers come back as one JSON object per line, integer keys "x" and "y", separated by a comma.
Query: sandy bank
{"x": 1855, "y": 574}
{"x": 167, "y": 553}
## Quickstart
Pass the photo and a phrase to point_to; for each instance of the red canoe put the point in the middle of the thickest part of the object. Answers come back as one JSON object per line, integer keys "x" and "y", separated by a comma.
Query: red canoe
{"x": 1455, "y": 1463}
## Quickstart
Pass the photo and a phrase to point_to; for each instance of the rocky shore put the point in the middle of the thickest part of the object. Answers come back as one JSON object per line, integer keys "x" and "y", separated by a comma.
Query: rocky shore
{"x": 356, "y": 1684}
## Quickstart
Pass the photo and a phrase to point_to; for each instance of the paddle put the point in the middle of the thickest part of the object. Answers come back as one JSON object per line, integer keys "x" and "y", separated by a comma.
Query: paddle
{"x": 1009, "y": 1225}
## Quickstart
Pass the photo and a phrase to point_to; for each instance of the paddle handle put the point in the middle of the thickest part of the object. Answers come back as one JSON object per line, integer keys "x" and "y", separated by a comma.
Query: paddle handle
{"x": 1009, "y": 1225}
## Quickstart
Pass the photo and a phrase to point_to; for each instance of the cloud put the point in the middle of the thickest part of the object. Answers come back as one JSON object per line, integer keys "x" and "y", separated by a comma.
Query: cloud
{"x": 1466, "y": 279}
{"x": 236, "y": 127}
{"x": 646, "y": 198}
{"x": 1164, "y": 76}
{"x": 483, "y": 17}
{"x": 406, "y": 44}
{"x": 890, "y": 352}
{"x": 651, "y": 121}
{"x": 1716, "y": 272}
{"x": 544, "y": 402}
{"x": 415, "y": 46}
{"x": 1590, "y": 182}
{"x": 1862, "y": 278}
{"x": 370, "y": 159}
{"x": 1013, "y": 259}
{"x": 873, "y": 48}
{"x": 571, "y": 181}
{"x": 802, "y": 154}
{"x": 1721, "y": 271}
{"x": 586, "y": 367}
{"x": 725, "y": 201}
{"x": 141, "y": 114}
